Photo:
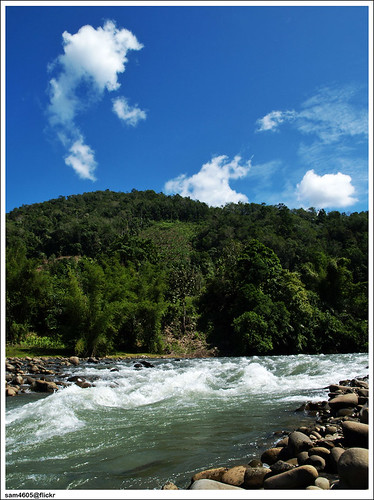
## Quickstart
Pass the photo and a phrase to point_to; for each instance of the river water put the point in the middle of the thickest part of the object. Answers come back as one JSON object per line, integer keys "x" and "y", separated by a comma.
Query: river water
{"x": 138, "y": 429}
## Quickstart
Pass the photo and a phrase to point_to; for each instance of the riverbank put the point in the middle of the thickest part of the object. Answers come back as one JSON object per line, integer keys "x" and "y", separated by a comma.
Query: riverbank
{"x": 331, "y": 453}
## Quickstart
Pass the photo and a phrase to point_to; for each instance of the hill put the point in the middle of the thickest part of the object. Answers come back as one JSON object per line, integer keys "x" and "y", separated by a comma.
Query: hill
{"x": 106, "y": 271}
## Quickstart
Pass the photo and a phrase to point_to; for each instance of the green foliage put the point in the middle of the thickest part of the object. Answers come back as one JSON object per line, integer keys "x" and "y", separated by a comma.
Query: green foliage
{"x": 107, "y": 271}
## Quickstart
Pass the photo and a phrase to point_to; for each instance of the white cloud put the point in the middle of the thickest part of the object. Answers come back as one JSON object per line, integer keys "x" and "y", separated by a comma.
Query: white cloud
{"x": 330, "y": 114}
{"x": 329, "y": 190}
{"x": 93, "y": 58}
{"x": 211, "y": 183}
{"x": 82, "y": 160}
{"x": 91, "y": 63}
{"x": 126, "y": 113}
{"x": 272, "y": 120}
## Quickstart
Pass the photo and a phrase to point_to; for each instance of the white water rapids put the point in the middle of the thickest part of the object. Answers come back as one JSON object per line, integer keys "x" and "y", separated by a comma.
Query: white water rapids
{"x": 138, "y": 429}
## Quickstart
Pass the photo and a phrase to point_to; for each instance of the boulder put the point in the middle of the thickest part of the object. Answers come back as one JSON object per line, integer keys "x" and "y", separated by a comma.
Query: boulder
{"x": 364, "y": 414}
{"x": 302, "y": 457}
{"x": 323, "y": 483}
{"x": 356, "y": 434}
{"x": 298, "y": 441}
{"x": 353, "y": 468}
{"x": 282, "y": 443}
{"x": 297, "y": 478}
{"x": 209, "y": 484}
{"x": 11, "y": 391}
{"x": 18, "y": 380}
{"x": 45, "y": 386}
{"x": 334, "y": 457}
{"x": 235, "y": 475}
{"x": 254, "y": 477}
{"x": 271, "y": 455}
{"x": 74, "y": 360}
{"x": 255, "y": 463}
{"x": 320, "y": 451}
{"x": 281, "y": 466}
{"x": 169, "y": 486}
{"x": 317, "y": 461}
{"x": 214, "y": 474}
{"x": 344, "y": 401}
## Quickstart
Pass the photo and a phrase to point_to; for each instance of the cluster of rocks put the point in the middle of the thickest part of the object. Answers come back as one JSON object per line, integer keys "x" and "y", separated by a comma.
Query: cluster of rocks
{"x": 47, "y": 375}
{"x": 331, "y": 453}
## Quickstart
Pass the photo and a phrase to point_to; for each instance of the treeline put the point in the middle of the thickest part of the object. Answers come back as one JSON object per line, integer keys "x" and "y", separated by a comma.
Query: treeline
{"x": 107, "y": 271}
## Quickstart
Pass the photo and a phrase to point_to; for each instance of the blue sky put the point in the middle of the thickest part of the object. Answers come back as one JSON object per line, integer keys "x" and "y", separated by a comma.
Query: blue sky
{"x": 246, "y": 103}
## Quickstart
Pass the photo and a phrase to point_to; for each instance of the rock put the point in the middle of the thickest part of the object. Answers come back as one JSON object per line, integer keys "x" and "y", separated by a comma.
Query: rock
{"x": 209, "y": 484}
{"x": 360, "y": 383}
{"x": 91, "y": 359}
{"x": 283, "y": 442}
{"x": 170, "y": 486}
{"x": 18, "y": 380}
{"x": 11, "y": 391}
{"x": 298, "y": 441}
{"x": 342, "y": 388}
{"x": 353, "y": 468}
{"x": 83, "y": 385}
{"x": 344, "y": 401}
{"x": 74, "y": 360}
{"x": 323, "y": 483}
{"x": 313, "y": 487}
{"x": 334, "y": 457}
{"x": 138, "y": 366}
{"x": 345, "y": 412}
{"x": 281, "y": 466}
{"x": 234, "y": 475}
{"x": 10, "y": 368}
{"x": 356, "y": 434}
{"x": 255, "y": 463}
{"x": 35, "y": 369}
{"x": 45, "y": 386}
{"x": 147, "y": 364}
{"x": 76, "y": 378}
{"x": 254, "y": 477}
{"x": 297, "y": 478}
{"x": 214, "y": 474}
{"x": 271, "y": 455}
{"x": 364, "y": 414}
{"x": 317, "y": 461}
{"x": 320, "y": 451}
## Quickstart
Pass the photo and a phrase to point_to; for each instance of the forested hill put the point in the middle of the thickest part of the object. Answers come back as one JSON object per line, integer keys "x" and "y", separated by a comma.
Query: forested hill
{"x": 106, "y": 271}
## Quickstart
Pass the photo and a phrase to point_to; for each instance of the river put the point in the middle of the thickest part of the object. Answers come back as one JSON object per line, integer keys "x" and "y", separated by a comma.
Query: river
{"x": 138, "y": 429}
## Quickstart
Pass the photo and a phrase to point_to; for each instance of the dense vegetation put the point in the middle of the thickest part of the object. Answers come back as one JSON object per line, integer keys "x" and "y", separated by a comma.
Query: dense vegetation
{"x": 108, "y": 271}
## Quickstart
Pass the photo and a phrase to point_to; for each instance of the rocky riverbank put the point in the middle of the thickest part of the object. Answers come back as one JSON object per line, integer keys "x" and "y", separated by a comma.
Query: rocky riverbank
{"x": 48, "y": 375}
{"x": 331, "y": 453}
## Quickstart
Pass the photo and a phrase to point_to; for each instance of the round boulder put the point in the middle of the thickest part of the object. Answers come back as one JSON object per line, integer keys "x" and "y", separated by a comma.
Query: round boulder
{"x": 254, "y": 477}
{"x": 214, "y": 474}
{"x": 235, "y": 475}
{"x": 344, "y": 401}
{"x": 317, "y": 461}
{"x": 74, "y": 360}
{"x": 356, "y": 434}
{"x": 209, "y": 484}
{"x": 334, "y": 457}
{"x": 297, "y": 478}
{"x": 298, "y": 441}
{"x": 353, "y": 468}
{"x": 271, "y": 455}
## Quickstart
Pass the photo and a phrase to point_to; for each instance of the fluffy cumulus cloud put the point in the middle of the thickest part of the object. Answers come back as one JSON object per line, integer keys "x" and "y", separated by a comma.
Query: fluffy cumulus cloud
{"x": 326, "y": 191}
{"x": 81, "y": 159}
{"x": 129, "y": 115}
{"x": 91, "y": 63}
{"x": 211, "y": 183}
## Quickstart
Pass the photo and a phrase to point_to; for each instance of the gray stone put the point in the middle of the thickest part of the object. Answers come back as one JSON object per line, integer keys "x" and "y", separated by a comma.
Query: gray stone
{"x": 254, "y": 477}
{"x": 209, "y": 484}
{"x": 317, "y": 461}
{"x": 356, "y": 434}
{"x": 74, "y": 360}
{"x": 169, "y": 486}
{"x": 353, "y": 468}
{"x": 214, "y": 474}
{"x": 234, "y": 475}
{"x": 298, "y": 441}
{"x": 343, "y": 401}
{"x": 323, "y": 483}
{"x": 297, "y": 478}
